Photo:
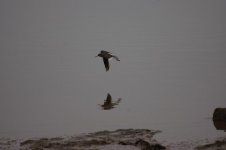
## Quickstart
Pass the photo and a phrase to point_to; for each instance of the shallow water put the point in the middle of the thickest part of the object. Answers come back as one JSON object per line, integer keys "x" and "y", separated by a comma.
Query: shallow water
{"x": 171, "y": 77}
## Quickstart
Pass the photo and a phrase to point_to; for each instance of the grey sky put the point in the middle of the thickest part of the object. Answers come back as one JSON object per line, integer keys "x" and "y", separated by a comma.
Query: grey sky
{"x": 172, "y": 56}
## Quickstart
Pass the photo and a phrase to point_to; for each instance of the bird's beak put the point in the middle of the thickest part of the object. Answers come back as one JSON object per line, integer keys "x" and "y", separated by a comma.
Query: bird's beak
{"x": 96, "y": 56}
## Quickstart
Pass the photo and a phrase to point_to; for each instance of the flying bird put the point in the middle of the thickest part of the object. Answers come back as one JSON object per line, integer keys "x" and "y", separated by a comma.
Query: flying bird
{"x": 108, "y": 104}
{"x": 106, "y": 56}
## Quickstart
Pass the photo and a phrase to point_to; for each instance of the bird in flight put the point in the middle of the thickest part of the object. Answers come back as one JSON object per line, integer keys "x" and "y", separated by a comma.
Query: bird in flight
{"x": 108, "y": 104}
{"x": 106, "y": 56}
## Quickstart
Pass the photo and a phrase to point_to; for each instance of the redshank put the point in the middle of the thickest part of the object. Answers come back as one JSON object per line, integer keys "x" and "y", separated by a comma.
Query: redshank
{"x": 106, "y": 56}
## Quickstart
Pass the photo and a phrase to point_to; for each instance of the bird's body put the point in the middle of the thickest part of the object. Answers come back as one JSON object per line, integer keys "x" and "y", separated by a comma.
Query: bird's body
{"x": 108, "y": 104}
{"x": 106, "y": 56}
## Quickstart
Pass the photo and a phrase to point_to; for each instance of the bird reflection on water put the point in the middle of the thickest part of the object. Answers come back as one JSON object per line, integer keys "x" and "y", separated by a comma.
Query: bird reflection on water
{"x": 108, "y": 104}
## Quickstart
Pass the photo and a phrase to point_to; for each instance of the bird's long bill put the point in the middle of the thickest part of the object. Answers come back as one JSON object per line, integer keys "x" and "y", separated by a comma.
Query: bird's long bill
{"x": 96, "y": 56}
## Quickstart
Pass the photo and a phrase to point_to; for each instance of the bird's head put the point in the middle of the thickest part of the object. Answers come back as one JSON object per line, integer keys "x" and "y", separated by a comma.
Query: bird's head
{"x": 98, "y": 55}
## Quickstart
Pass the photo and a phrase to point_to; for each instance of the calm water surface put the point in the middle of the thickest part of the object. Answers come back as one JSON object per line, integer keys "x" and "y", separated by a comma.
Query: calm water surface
{"x": 171, "y": 76}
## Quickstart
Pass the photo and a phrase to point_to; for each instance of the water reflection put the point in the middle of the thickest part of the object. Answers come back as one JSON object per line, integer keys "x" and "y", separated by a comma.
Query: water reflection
{"x": 219, "y": 119}
{"x": 108, "y": 104}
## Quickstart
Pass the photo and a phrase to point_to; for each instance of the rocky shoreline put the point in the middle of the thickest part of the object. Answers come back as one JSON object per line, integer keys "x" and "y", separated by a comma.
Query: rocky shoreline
{"x": 121, "y": 139}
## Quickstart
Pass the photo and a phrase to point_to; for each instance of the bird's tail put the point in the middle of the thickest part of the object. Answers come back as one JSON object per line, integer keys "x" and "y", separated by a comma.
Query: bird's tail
{"x": 115, "y": 57}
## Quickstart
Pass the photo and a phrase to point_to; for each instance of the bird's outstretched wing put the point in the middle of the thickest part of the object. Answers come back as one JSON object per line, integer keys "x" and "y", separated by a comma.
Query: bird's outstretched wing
{"x": 106, "y": 63}
{"x": 108, "y": 97}
{"x": 115, "y": 57}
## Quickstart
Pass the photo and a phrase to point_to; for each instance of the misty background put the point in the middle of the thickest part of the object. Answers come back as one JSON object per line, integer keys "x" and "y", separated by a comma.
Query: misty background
{"x": 171, "y": 77}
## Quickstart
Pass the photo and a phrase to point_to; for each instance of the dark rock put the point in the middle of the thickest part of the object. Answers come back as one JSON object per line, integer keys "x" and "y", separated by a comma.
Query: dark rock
{"x": 219, "y": 114}
{"x": 220, "y": 125}
{"x": 144, "y": 145}
{"x": 219, "y": 118}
